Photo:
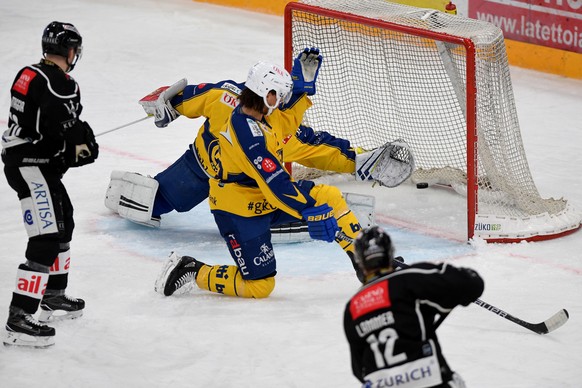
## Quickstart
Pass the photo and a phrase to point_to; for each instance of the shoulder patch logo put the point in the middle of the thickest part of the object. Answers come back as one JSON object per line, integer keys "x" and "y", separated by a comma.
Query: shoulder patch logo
{"x": 233, "y": 88}
{"x": 229, "y": 99}
{"x": 23, "y": 82}
{"x": 268, "y": 165}
{"x": 370, "y": 299}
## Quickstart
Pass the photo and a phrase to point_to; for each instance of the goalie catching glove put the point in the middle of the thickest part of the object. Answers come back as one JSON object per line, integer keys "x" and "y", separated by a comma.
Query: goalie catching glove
{"x": 158, "y": 104}
{"x": 388, "y": 165}
{"x": 305, "y": 70}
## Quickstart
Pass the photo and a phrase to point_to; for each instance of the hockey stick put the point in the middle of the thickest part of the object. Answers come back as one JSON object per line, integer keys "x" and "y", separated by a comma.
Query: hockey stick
{"x": 124, "y": 125}
{"x": 545, "y": 327}
{"x": 552, "y": 323}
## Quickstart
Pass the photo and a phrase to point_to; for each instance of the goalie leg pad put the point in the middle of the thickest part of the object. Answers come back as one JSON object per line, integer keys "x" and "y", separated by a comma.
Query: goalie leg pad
{"x": 363, "y": 206}
{"x": 295, "y": 231}
{"x": 113, "y": 193}
{"x": 134, "y": 195}
{"x": 291, "y": 232}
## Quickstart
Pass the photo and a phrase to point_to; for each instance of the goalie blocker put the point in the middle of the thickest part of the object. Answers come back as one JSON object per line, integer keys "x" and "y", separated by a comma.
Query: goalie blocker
{"x": 132, "y": 196}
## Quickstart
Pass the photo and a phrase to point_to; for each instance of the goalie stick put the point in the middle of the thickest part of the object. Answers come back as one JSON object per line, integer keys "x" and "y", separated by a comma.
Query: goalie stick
{"x": 123, "y": 126}
{"x": 149, "y": 102}
{"x": 552, "y": 323}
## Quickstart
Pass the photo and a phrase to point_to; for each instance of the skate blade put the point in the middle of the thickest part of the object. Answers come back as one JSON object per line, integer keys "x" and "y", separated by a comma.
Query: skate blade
{"x": 28, "y": 341}
{"x": 58, "y": 315}
{"x": 169, "y": 265}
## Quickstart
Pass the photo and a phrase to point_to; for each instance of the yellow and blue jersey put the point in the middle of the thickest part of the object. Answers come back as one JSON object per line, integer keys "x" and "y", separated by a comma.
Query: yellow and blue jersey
{"x": 302, "y": 144}
{"x": 252, "y": 178}
{"x": 319, "y": 150}
{"x": 215, "y": 102}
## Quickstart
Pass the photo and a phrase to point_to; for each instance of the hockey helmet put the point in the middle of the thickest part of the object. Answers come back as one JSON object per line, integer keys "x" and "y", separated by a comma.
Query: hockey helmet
{"x": 58, "y": 38}
{"x": 373, "y": 250}
{"x": 264, "y": 77}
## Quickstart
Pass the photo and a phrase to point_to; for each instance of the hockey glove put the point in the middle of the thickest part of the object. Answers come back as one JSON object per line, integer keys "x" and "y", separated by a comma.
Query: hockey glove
{"x": 321, "y": 224}
{"x": 305, "y": 70}
{"x": 158, "y": 104}
{"x": 87, "y": 151}
{"x": 388, "y": 165}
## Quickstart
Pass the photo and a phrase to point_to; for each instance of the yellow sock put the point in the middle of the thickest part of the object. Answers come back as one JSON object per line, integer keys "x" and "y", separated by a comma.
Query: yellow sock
{"x": 227, "y": 280}
{"x": 346, "y": 219}
{"x": 349, "y": 225}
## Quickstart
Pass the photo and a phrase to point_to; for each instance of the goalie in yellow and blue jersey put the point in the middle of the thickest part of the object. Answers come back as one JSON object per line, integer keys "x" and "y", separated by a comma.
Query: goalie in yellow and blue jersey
{"x": 184, "y": 184}
{"x": 253, "y": 191}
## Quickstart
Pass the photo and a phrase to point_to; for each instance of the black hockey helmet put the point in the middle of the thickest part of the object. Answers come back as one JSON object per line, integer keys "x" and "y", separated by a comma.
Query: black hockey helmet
{"x": 58, "y": 38}
{"x": 373, "y": 250}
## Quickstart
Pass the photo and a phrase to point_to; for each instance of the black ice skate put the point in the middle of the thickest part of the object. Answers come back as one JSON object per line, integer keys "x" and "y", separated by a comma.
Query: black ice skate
{"x": 23, "y": 330}
{"x": 177, "y": 275}
{"x": 60, "y": 307}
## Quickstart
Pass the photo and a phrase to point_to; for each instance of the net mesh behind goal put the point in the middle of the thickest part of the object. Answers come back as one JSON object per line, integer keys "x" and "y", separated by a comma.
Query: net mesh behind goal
{"x": 442, "y": 83}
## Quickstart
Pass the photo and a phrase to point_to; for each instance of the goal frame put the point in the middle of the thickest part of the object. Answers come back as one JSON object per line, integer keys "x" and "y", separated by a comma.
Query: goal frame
{"x": 470, "y": 100}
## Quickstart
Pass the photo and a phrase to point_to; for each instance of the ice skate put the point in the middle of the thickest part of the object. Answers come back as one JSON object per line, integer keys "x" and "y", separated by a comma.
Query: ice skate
{"x": 177, "y": 275}
{"x": 23, "y": 330}
{"x": 60, "y": 307}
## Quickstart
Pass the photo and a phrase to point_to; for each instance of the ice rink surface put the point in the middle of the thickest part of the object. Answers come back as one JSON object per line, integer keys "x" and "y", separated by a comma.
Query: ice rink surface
{"x": 132, "y": 337}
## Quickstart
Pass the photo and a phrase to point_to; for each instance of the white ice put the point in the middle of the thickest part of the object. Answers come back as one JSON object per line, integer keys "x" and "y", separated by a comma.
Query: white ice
{"x": 132, "y": 337}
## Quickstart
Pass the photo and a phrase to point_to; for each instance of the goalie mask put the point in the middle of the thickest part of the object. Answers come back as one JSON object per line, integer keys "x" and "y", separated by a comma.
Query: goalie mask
{"x": 373, "y": 250}
{"x": 58, "y": 38}
{"x": 264, "y": 77}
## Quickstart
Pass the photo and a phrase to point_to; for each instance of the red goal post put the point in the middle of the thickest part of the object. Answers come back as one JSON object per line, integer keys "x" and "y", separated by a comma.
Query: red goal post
{"x": 442, "y": 83}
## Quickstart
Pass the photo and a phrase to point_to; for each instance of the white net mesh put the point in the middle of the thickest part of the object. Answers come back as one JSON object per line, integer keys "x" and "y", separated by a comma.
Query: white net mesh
{"x": 379, "y": 82}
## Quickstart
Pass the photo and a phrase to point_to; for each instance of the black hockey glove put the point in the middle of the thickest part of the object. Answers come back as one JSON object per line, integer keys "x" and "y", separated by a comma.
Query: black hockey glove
{"x": 85, "y": 151}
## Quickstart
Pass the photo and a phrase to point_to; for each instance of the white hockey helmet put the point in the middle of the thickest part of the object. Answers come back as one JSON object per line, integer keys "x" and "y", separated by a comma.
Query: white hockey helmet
{"x": 264, "y": 77}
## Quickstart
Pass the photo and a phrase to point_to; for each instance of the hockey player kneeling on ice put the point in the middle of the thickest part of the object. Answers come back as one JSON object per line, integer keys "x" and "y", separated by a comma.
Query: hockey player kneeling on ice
{"x": 45, "y": 137}
{"x": 390, "y": 322}
{"x": 184, "y": 184}
{"x": 254, "y": 191}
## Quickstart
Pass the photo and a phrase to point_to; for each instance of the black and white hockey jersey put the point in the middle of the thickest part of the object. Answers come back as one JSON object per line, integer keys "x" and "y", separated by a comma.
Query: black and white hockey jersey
{"x": 390, "y": 327}
{"x": 44, "y": 117}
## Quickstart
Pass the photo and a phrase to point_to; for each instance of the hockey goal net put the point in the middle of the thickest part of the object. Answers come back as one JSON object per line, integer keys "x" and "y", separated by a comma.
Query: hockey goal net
{"x": 442, "y": 83}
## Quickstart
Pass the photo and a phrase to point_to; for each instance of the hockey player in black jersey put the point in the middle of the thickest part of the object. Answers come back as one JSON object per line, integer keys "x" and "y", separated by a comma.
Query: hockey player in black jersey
{"x": 45, "y": 137}
{"x": 390, "y": 322}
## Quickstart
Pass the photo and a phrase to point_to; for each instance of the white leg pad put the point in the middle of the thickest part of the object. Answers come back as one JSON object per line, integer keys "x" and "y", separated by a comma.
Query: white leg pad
{"x": 363, "y": 206}
{"x": 114, "y": 190}
{"x": 294, "y": 232}
{"x": 132, "y": 195}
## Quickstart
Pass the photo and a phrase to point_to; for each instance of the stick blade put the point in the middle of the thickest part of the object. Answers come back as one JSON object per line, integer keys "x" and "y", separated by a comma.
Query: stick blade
{"x": 556, "y": 321}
